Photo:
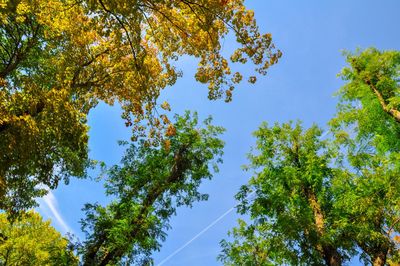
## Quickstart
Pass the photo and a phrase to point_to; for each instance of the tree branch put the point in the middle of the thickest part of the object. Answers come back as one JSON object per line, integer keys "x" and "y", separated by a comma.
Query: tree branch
{"x": 391, "y": 111}
{"x": 126, "y": 32}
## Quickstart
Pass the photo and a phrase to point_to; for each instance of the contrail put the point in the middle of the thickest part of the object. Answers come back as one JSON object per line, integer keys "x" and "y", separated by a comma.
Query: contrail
{"x": 51, "y": 203}
{"x": 200, "y": 233}
{"x": 196, "y": 236}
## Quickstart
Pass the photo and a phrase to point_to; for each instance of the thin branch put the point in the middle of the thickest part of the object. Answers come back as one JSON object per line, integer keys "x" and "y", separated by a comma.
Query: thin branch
{"x": 126, "y": 32}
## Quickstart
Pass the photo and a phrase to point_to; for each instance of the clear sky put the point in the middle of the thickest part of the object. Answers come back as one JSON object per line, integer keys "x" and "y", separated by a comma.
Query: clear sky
{"x": 311, "y": 35}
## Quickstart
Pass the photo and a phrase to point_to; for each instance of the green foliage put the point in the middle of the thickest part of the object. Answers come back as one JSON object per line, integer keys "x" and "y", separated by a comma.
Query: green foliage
{"x": 369, "y": 101}
{"x": 40, "y": 149}
{"x": 370, "y": 209}
{"x": 148, "y": 187}
{"x": 31, "y": 241}
{"x": 293, "y": 217}
{"x": 320, "y": 202}
{"x": 251, "y": 246}
{"x": 367, "y": 129}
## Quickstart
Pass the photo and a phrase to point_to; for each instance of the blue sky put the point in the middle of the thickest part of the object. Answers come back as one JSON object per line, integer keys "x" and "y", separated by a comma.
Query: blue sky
{"x": 311, "y": 35}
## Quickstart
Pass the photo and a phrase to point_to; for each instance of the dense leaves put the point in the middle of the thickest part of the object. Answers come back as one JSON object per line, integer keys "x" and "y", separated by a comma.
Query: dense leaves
{"x": 368, "y": 130}
{"x": 32, "y": 241}
{"x": 293, "y": 214}
{"x": 369, "y": 101}
{"x": 369, "y": 206}
{"x": 249, "y": 247}
{"x": 321, "y": 202}
{"x": 147, "y": 188}
{"x": 59, "y": 58}
{"x": 38, "y": 148}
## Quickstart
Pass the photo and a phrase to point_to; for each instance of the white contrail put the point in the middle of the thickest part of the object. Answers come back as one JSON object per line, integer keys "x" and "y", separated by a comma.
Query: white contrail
{"x": 196, "y": 236}
{"x": 199, "y": 234}
{"x": 51, "y": 202}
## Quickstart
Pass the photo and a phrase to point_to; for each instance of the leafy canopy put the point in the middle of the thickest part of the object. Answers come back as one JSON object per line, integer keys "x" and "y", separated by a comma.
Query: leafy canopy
{"x": 367, "y": 129}
{"x": 292, "y": 213}
{"x": 369, "y": 101}
{"x": 322, "y": 202}
{"x": 147, "y": 188}
{"x": 31, "y": 241}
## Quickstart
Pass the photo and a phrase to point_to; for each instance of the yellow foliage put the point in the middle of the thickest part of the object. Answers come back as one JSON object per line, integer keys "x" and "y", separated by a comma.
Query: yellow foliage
{"x": 32, "y": 241}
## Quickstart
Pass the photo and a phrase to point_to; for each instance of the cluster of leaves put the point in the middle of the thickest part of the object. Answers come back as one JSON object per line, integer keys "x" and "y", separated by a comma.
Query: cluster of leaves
{"x": 43, "y": 136}
{"x": 148, "y": 187}
{"x": 322, "y": 202}
{"x": 249, "y": 246}
{"x": 369, "y": 101}
{"x": 59, "y": 58}
{"x": 293, "y": 207}
{"x": 31, "y": 241}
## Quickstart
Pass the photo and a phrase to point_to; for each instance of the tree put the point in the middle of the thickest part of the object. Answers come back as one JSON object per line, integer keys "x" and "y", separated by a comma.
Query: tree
{"x": 147, "y": 188}
{"x": 293, "y": 215}
{"x": 32, "y": 241}
{"x": 367, "y": 129}
{"x": 61, "y": 57}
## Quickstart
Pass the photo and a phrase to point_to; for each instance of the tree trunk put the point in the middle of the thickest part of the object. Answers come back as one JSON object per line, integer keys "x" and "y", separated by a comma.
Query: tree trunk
{"x": 329, "y": 253}
{"x": 379, "y": 259}
{"x": 391, "y": 111}
{"x": 332, "y": 256}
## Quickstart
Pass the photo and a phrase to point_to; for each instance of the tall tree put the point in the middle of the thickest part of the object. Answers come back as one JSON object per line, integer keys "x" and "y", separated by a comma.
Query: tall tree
{"x": 31, "y": 241}
{"x": 59, "y": 58}
{"x": 147, "y": 188}
{"x": 293, "y": 220}
{"x": 367, "y": 129}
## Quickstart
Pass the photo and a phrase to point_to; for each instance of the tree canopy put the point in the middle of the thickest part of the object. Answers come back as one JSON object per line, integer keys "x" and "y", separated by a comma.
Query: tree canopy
{"x": 367, "y": 130}
{"x": 61, "y": 57}
{"x": 31, "y": 241}
{"x": 293, "y": 212}
{"x": 147, "y": 188}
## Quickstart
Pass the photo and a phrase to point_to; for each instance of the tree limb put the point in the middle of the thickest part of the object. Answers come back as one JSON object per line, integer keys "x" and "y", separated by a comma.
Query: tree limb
{"x": 391, "y": 111}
